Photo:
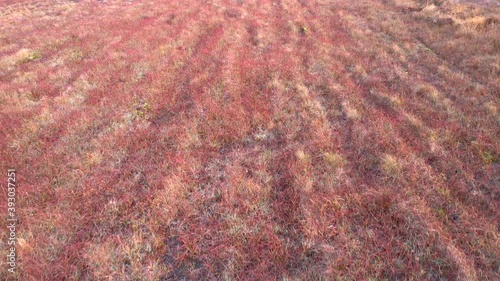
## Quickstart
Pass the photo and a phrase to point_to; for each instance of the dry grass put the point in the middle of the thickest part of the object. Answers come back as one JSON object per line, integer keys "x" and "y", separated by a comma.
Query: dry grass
{"x": 252, "y": 140}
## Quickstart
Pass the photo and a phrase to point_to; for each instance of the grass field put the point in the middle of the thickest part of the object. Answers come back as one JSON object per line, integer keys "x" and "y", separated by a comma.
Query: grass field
{"x": 251, "y": 139}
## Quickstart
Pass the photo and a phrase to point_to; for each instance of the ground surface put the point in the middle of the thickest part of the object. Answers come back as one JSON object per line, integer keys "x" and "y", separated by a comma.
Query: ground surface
{"x": 252, "y": 140}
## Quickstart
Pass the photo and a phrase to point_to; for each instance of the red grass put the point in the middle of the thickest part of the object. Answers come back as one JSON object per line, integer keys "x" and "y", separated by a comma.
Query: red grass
{"x": 252, "y": 140}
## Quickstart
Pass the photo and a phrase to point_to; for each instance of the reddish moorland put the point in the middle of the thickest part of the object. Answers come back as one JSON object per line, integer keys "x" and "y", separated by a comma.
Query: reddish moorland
{"x": 251, "y": 139}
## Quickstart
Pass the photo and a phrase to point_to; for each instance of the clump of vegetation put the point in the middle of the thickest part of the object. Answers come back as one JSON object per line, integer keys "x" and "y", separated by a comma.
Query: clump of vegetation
{"x": 488, "y": 158}
{"x": 75, "y": 55}
{"x": 334, "y": 159}
{"x": 391, "y": 166}
{"x": 142, "y": 110}
{"x": 30, "y": 56}
{"x": 302, "y": 156}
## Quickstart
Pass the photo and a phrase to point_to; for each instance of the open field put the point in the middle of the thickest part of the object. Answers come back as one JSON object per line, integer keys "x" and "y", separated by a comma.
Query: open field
{"x": 251, "y": 139}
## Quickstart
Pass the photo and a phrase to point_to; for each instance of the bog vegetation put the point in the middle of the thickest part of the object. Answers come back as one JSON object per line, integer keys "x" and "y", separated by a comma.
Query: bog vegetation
{"x": 252, "y": 140}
